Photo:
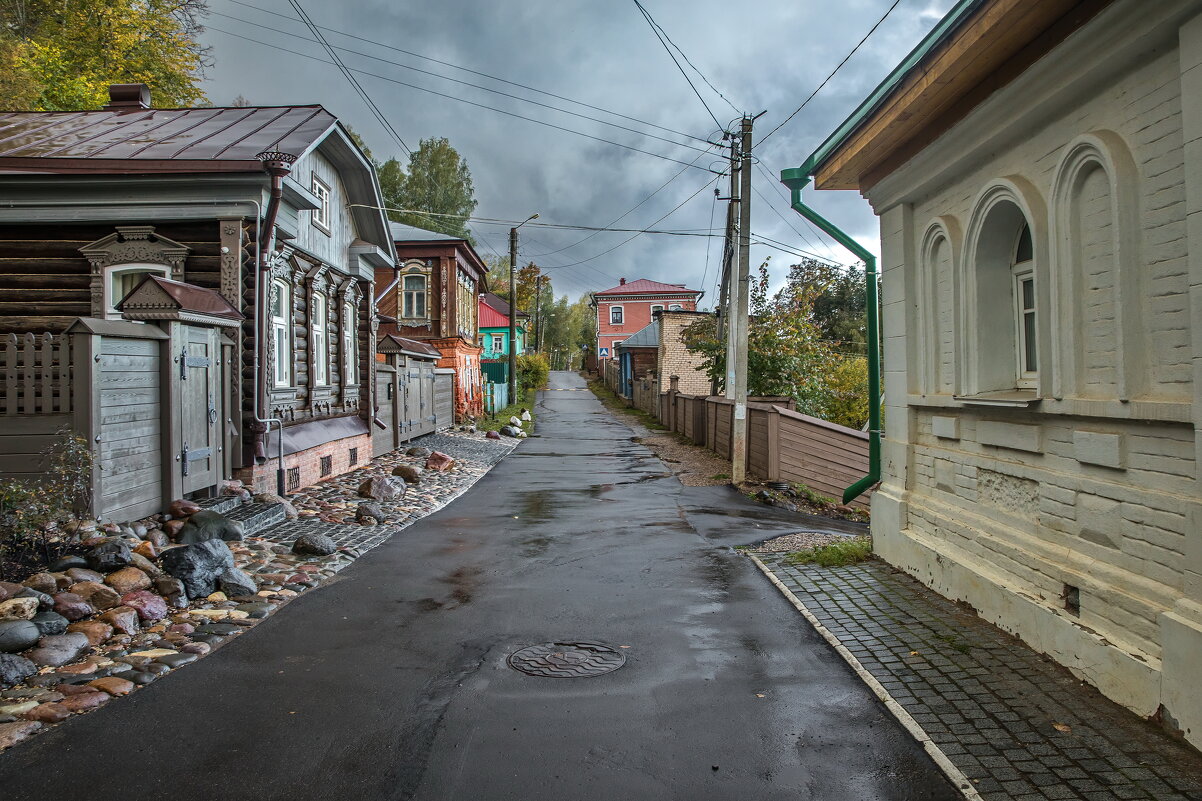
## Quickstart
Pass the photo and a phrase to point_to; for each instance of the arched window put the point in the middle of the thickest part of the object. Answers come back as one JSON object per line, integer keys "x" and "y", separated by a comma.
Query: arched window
{"x": 675, "y": 307}
{"x": 281, "y": 334}
{"x": 320, "y": 326}
{"x": 1023, "y": 270}
{"x": 656, "y": 307}
{"x": 350, "y": 344}
{"x": 413, "y": 304}
{"x": 120, "y": 280}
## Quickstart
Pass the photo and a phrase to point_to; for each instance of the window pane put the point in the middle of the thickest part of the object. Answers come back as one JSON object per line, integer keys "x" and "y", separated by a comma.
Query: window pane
{"x": 420, "y": 305}
{"x": 1028, "y": 286}
{"x": 1029, "y": 341}
{"x": 414, "y": 282}
{"x": 1024, "y": 251}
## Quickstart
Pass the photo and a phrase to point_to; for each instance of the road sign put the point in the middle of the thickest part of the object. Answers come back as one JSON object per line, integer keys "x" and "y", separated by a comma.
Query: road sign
{"x": 604, "y": 353}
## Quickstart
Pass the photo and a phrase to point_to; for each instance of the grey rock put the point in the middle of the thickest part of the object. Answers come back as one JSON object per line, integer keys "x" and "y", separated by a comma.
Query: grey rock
{"x": 218, "y": 629}
{"x": 209, "y": 525}
{"x": 236, "y": 583}
{"x": 13, "y": 733}
{"x": 109, "y": 556}
{"x": 416, "y": 451}
{"x": 44, "y": 601}
{"x": 176, "y": 660}
{"x": 172, "y": 589}
{"x": 17, "y": 635}
{"x": 369, "y": 511}
{"x": 14, "y": 669}
{"x": 382, "y": 488}
{"x": 199, "y": 565}
{"x": 42, "y": 582}
{"x": 59, "y": 649}
{"x": 270, "y": 497}
{"x": 407, "y": 472}
{"x": 68, "y": 562}
{"x": 145, "y": 565}
{"x": 314, "y": 544}
{"x": 50, "y": 623}
{"x": 138, "y": 677}
{"x": 509, "y": 431}
{"x": 78, "y": 574}
{"x": 256, "y": 609}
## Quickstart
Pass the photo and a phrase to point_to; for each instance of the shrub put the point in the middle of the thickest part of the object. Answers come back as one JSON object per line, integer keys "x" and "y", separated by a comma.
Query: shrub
{"x": 34, "y": 513}
{"x": 533, "y": 372}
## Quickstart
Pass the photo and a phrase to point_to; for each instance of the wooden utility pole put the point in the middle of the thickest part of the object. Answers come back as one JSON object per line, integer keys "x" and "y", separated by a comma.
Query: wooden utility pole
{"x": 538, "y": 320}
{"x": 728, "y": 255}
{"x": 736, "y": 359}
{"x": 513, "y": 315}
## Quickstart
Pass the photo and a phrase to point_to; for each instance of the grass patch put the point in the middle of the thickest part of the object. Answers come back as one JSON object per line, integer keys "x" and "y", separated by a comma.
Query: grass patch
{"x": 719, "y": 476}
{"x": 491, "y": 422}
{"x": 610, "y": 400}
{"x": 838, "y": 554}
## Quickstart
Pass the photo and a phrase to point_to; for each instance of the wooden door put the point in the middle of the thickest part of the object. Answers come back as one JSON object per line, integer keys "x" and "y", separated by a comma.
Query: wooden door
{"x": 199, "y": 408}
{"x": 385, "y": 440}
{"x": 428, "y": 416}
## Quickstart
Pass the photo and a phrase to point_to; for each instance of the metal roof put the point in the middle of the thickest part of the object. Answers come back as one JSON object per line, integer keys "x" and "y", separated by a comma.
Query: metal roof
{"x": 156, "y": 140}
{"x": 409, "y": 233}
{"x": 645, "y": 337}
{"x": 647, "y": 286}
{"x": 500, "y": 304}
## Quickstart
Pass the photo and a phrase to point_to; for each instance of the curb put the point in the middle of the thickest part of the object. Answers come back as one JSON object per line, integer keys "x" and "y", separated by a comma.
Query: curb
{"x": 954, "y": 775}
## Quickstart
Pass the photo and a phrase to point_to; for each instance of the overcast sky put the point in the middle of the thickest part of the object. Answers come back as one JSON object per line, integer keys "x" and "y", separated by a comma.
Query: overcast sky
{"x": 763, "y": 55}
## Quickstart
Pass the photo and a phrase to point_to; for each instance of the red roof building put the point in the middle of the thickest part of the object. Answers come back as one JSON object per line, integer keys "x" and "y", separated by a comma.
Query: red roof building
{"x": 627, "y": 308}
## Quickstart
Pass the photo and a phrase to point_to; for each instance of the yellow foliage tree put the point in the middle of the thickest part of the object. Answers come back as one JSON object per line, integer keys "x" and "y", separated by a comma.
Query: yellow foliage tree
{"x": 62, "y": 56}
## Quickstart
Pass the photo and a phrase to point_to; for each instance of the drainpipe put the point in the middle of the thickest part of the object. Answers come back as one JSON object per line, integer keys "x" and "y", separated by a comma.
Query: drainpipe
{"x": 277, "y": 165}
{"x": 796, "y": 179}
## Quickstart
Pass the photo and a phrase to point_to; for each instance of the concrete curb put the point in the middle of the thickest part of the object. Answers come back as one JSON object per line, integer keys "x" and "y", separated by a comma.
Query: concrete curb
{"x": 957, "y": 778}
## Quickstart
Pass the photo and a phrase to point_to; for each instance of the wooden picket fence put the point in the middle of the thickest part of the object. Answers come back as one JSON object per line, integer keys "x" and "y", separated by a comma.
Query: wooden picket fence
{"x": 35, "y": 374}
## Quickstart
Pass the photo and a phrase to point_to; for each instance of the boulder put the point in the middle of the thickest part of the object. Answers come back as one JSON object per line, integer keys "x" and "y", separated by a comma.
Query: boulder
{"x": 97, "y": 631}
{"x": 8, "y": 590}
{"x": 198, "y": 565}
{"x": 408, "y": 473}
{"x": 208, "y": 525}
{"x": 17, "y": 635}
{"x": 172, "y": 589}
{"x": 417, "y": 451}
{"x": 148, "y": 605}
{"x": 128, "y": 579}
{"x": 171, "y": 529}
{"x": 236, "y": 583}
{"x": 42, "y": 582}
{"x": 14, "y": 669}
{"x": 522, "y": 435}
{"x": 158, "y": 537}
{"x": 72, "y": 606}
{"x": 50, "y": 623}
{"x": 98, "y": 595}
{"x": 234, "y": 488}
{"x": 145, "y": 565}
{"x": 18, "y": 609}
{"x": 44, "y": 601}
{"x": 146, "y": 550}
{"x": 516, "y": 422}
{"x": 525, "y": 414}
{"x": 109, "y": 556}
{"x": 369, "y": 512}
{"x": 59, "y": 649}
{"x": 270, "y": 497}
{"x": 113, "y": 685}
{"x": 492, "y": 435}
{"x": 122, "y": 619}
{"x": 314, "y": 544}
{"x": 52, "y": 712}
{"x": 85, "y": 701}
{"x": 382, "y": 488}
{"x": 78, "y": 574}
{"x": 13, "y": 733}
{"x": 183, "y": 508}
{"x": 65, "y": 564}
{"x": 510, "y": 431}
{"x": 439, "y": 462}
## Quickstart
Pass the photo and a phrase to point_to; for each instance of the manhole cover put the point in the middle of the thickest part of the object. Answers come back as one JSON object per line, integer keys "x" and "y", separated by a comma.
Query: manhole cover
{"x": 567, "y": 660}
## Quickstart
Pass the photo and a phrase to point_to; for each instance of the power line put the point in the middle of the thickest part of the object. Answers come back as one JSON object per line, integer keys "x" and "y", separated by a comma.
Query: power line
{"x": 689, "y": 61}
{"x": 468, "y": 70}
{"x": 846, "y": 58}
{"x": 463, "y": 100}
{"x": 655, "y": 30}
{"x": 478, "y": 86}
{"x": 696, "y": 232}
{"x": 708, "y": 248}
{"x": 375, "y": 110}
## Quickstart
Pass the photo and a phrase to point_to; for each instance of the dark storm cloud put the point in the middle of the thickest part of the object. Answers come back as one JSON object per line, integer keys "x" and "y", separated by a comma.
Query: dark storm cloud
{"x": 768, "y": 54}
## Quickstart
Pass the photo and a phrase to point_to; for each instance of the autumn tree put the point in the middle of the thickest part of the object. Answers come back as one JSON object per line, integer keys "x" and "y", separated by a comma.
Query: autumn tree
{"x": 438, "y": 182}
{"x": 62, "y": 56}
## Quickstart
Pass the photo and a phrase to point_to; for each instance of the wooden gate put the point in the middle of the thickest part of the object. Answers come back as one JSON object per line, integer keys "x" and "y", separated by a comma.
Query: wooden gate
{"x": 386, "y": 439}
{"x": 200, "y": 401}
{"x": 444, "y": 397}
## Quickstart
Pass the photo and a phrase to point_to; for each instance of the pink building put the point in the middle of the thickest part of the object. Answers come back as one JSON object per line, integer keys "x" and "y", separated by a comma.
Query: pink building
{"x": 628, "y": 307}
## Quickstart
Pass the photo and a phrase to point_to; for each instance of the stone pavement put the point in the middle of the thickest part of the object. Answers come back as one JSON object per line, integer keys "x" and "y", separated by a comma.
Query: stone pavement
{"x": 1017, "y": 725}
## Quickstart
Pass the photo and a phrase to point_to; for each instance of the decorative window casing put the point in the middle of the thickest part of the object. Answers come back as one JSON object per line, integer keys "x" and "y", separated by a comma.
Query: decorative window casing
{"x": 413, "y": 297}
{"x": 498, "y": 343}
{"x": 120, "y": 280}
{"x": 466, "y": 305}
{"x": 322, "y": 214}
{"x": 350, "y": 343}
{"x": 281, "y": 333}
{"x": 136, "y": 248}
{"x": 616, "y": 315}
{"x": 320, "y": 328}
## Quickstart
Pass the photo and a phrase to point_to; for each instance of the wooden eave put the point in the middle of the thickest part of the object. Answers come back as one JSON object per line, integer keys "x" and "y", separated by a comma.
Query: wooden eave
{"x": 992, "y": 47}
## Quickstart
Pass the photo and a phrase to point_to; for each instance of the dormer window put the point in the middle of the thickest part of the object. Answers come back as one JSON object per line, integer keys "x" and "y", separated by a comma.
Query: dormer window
{"x": 321, "y": 214}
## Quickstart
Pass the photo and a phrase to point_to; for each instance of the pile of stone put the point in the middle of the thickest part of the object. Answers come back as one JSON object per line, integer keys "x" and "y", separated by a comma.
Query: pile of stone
{"x": 143, "y": 599}
{"x": 514, "y": 429}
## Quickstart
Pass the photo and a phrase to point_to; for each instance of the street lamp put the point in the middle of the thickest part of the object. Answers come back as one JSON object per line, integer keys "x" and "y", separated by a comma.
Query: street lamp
{"x": 513, "y": 308}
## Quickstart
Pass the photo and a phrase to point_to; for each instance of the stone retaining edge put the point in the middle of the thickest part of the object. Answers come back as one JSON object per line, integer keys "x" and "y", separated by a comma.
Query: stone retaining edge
{"x": 957, "y": 778}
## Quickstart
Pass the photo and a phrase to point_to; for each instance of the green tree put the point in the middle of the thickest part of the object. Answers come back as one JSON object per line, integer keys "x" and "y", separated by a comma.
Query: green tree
{"x": 437, "y": 181}
{"x": 839, "y": 307}
{"x": 62, "y": 56}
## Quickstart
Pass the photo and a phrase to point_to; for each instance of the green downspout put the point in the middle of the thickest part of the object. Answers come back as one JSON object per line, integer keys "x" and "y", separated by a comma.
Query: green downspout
{"x": 796, "y": 179}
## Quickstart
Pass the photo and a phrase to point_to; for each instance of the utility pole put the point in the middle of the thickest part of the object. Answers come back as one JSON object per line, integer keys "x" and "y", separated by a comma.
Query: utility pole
{"x": 538, "y": 320}
{"x": 728, "y": 253}
{"x": 736, "y": 367}
{"x": 513, "y": 308}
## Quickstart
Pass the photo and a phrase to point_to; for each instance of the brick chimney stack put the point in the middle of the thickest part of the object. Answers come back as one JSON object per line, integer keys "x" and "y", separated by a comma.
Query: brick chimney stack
{"x": 128, "y": 97}
{"x": 622, "y": 282}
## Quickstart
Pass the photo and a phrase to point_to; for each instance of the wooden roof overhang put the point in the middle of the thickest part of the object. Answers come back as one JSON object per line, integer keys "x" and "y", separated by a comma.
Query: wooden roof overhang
{"x": 978, "y": 48}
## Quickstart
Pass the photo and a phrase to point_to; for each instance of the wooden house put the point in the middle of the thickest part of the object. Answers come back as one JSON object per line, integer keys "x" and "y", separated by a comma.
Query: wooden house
{"x": 435, "y": 298}
{"x": 244, "y": 244}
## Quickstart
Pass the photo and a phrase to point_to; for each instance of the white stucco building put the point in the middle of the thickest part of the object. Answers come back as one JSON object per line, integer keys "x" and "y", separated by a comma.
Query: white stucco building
{"x": 1037, "y": 169}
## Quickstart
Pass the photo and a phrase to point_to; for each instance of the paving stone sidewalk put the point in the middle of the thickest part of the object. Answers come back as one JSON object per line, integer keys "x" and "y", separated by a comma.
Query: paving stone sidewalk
{"x": 1019, "y": 726}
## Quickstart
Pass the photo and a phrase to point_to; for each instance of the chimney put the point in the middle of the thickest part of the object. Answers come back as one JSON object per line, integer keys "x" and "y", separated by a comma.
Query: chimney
{"x": 621, "y": 282}
{"x": 128, "y": 97}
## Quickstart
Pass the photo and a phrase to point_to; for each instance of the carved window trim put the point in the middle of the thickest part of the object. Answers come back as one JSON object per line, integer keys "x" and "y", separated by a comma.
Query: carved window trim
{"x": 132, "y": 245}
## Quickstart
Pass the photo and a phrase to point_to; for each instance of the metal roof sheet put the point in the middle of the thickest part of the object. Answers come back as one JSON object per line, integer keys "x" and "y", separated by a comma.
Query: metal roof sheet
{"x": 647, "y": 286}
{"x": 408, "y": 233}
{"x": 57, "y": 138}
{"x": 645, "y": 337}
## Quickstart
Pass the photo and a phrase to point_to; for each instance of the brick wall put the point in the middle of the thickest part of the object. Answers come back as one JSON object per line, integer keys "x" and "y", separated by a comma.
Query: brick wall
{"x": 676, "y": 359}
{"x": 262, "y": 477}
{"x": 636, "y": 315}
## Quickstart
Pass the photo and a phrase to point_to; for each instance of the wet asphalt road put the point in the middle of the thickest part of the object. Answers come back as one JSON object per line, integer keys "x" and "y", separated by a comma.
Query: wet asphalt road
{"x": 391, "y": 683}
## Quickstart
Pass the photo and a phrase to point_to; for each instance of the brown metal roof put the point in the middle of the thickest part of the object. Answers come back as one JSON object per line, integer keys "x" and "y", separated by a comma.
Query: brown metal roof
{"x": 155, "y": 140}
{"x": 189, "y": 298}
{"x": 391, "y": 343}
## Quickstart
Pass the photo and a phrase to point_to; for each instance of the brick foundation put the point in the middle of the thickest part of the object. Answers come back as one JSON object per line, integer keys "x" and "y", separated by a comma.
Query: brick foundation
{"x": 262, "y": 477}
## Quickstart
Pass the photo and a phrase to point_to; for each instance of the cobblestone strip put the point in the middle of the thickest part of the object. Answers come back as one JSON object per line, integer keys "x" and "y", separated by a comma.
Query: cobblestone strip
{"x": 1016, "y": 725}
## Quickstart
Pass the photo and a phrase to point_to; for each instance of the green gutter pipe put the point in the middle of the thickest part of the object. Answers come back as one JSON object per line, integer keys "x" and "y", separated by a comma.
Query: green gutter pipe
{"x": 796, "y": 178}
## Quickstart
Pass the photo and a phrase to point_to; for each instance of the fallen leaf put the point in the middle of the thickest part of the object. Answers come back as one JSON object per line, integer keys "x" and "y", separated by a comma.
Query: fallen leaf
{"x": 1062, "y": 727}
{"x": 913, "y": 653}
{"x": 623, "y": 646}
{"x": 760, "y": 695}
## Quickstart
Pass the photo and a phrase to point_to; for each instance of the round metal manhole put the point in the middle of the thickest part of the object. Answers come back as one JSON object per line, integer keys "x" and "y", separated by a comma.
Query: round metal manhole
{"x": 567, "y": 660}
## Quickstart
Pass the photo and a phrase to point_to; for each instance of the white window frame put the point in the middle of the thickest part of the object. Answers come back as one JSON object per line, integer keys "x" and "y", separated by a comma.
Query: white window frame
{"x": 410, "y": 297}
{"x": 613, "y": 346}
{"x": 621, "y": 310}
{"x": 676, "y": 307}
{"x": 350, "y": 343}
{"x": 656, "y": 307}
{"x": 118, "y": 271}
{"x": 281, "y": 332}
{"x": 320, "y": 326}
{"x": 1023, "y": 272}
{"x": 498, "y": 343}
{"x": 321, "y": 214}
